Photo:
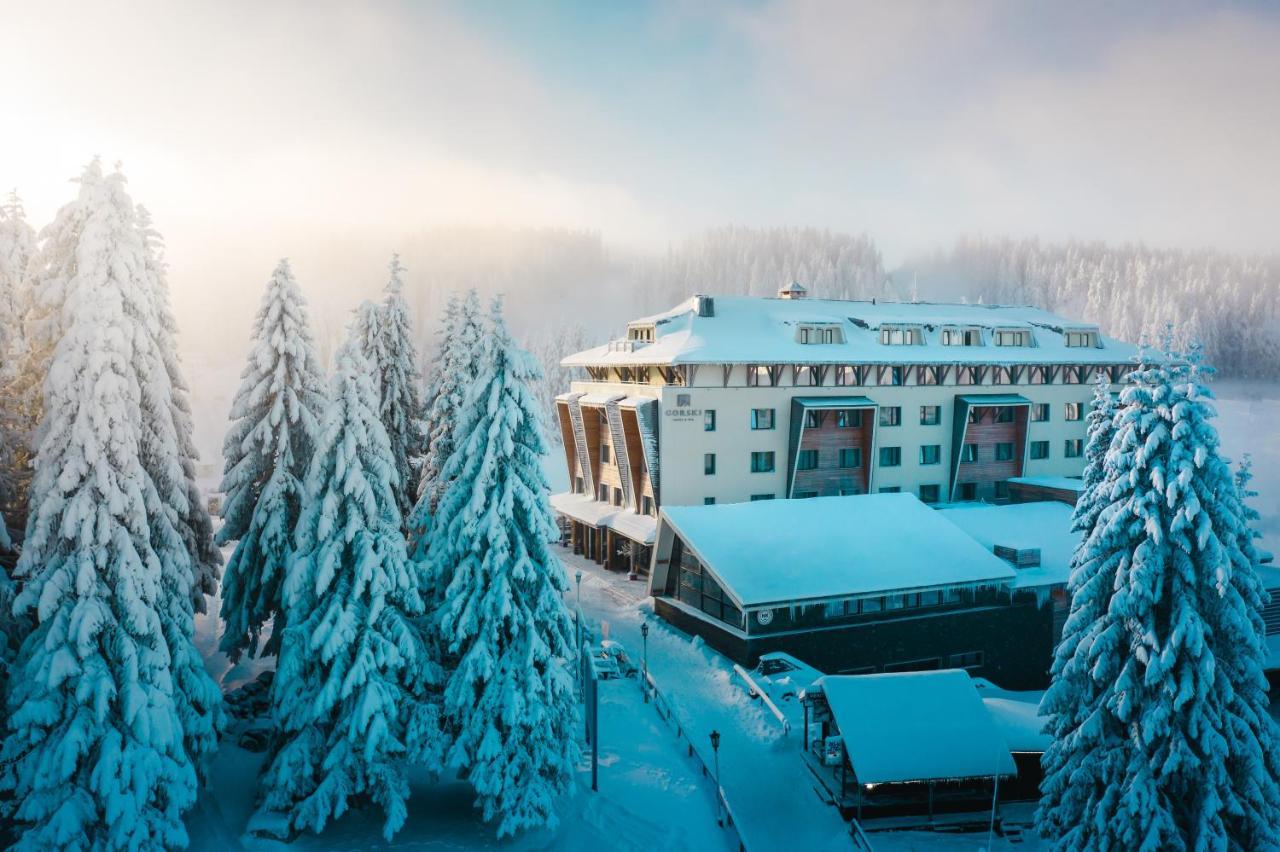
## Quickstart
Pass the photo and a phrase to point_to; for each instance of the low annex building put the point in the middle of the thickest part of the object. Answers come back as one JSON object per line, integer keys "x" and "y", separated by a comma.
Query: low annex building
{"x": 857, "y": 584}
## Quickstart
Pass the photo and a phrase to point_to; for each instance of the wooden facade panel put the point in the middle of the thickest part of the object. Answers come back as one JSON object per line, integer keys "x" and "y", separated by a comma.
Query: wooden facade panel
{"x": 827, "y": 438}
{"x": 988, "y": 432}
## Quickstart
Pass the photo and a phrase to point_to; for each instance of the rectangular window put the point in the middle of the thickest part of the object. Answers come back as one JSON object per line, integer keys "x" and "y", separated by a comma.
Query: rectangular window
{"x": 1074, "y": 448}
{"x": 709, "y": 420}
{"x": 807, "y": 460}
{"x": 929, "y": 493}
{"x": 1004, "y": 451}
{"x": 1073, "y": 411}
{"x": 966, "y": 660}
{"x": 709, "y": 464}
{"x": 930, "y": 453}
{"x": 965, "y": 376}
{"x": 812, "y": 419}
{"x": 930, "y": 415}
{"x": 579, "y": 487}
{"x": 872, "y": 605}
{"x": 762, "y": 418}
{"x": 1004, "y": 414}
{"x": 891, "y": 415}
{"x": 969, "y": 453}
{"x": 804, "y": 495}
{"x": 926, "y": 375}
{"x": 762, "y": 462}
{"x": 894, "y": 376}
{"x": 758, "y": 376}
{"x": 604, "y": 453}
{"x": 646, "y": 504}
{"x": 967, "y": 491}
{"x": 1040, "y": 412}
{"x": 1011, "y": 338}
{"x": 848, "y": 376}
{"x": 708, "y": 501}
{"x": 1039, "y": 449}
{"x": 617, "y": 496}
{"x": 894, "y": 602}
{"x": 758, "y": 497}
{"x": 1038, "y": 375}
{"x": 850, "y": 457}
{"x": 890, "y": 456}
{"x": 1001, "y": 376}
{"x": 1079, "y": 339}
{"x": 849, "y": 418}
{"x": 933, "y": 598}
{"x": 890, "y": 489}
{"x": 1002, "y": 489}
{"x": 604, "y": 493}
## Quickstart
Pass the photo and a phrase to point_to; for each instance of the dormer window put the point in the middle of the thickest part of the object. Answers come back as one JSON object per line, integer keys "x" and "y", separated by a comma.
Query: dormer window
{"x": 640, "y": 333}
{"x": 900, "y": 335}
{"x": 819, "y": 333}
{"x": 1080, "y": 338}
{"x": 962, "y": 337}
{"x": 1012, "y": 337}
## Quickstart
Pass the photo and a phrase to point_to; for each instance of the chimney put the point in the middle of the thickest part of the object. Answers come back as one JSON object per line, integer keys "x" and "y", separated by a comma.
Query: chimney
{"x": 794, "y": 290}
{"x": 706, "y": 305}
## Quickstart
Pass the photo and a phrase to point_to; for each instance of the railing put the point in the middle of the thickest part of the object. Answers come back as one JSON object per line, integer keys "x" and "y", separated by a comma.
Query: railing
{"x": 667, "y": 714}
{"x": 757, "y": 692}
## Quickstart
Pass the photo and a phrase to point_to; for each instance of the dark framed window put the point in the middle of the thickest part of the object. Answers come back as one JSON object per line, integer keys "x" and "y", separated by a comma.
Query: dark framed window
{"x": 759, "y": 376}
{"x": 895, "y": 376}
{"x": 646, "y": 504}
{"x": 758, "y": 497}
{"x": 890, "y": 456}
{"x": 930, "y": 494}
{"x": 930, "y": 453}
{"x": 604, "y": 453}
{"x": 1004, "y": 451}
{"x": 709, "y": 420}
{"x": 762, "y": 418}
{"x": 891, "y": 415}
{"x": 849, "y": 418}
{"x": 807, "y": 460}
{"x": 1074, "y": 448}
{"x": 1039, "y": 449}
{"x": 851, "y": 457}
{"x": 1040, "y": 412}
{"x": 890, "y": 489}
{"x": 926, "y": 375}
{"x": 930, "y": 415}
{"x": 802, "y": 495}
{"x": 847, "y": 375}
{"x": 708, "y": 501}
{"x": 1002, "y": 490}
{"x": 813, "y": 419}
{"x": 709, "y": 463}
{"x": 1004, "y": 415}
{"x": 967, "y": 491}
{"x": 762, "y": 462}
{"x": 969, "y": 453}
{"x": 1073, "y": 411}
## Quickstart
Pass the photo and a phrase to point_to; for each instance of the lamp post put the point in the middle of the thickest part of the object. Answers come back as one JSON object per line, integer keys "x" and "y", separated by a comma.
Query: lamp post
{"x": 715, "y": 750}
{"x": 577, "y": 630}
{"x": 644, "y": 636}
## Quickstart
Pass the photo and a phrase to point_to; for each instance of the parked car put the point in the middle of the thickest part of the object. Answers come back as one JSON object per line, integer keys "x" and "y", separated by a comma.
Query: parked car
{"x": 783, "y": 676}
{"x": 626, "y": 667}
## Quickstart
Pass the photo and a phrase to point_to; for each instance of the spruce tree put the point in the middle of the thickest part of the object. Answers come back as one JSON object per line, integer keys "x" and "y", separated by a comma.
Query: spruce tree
{"x": 94, "y": 753}
{"x": 1158, "y": 711}
{"x": 457, "y": 365}
{"x": 350, "y": 692}
{"x": 275, "y": 419}
{"x": 20, "y": 375}
{"x": 509, "y": 701}
{"x": 400, "y": 388}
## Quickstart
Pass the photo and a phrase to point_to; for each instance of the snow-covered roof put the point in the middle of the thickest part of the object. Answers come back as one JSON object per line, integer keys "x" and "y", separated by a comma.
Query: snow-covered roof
{"x": 916, "y": 726}
{"x": 750, "y": 330}
{"x": 1019, "y": 722}
{"x": 782, "y": 551}
{"x": 1045, "y": 525}
{"x": 582, "y": 507}
{"x": 1058, "y": 483}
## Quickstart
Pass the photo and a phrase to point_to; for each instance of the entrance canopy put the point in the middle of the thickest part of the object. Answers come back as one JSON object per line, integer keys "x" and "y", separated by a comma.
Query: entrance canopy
{"x": 916, "y": 726}
{"x": 623, "y": 521}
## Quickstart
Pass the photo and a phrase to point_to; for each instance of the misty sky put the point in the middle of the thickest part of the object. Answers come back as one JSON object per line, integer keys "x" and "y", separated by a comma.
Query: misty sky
{"x": 251, "y": 129}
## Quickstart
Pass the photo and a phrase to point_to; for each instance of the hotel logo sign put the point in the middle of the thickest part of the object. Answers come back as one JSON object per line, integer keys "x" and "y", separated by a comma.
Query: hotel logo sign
{"x": 684, "y": 412}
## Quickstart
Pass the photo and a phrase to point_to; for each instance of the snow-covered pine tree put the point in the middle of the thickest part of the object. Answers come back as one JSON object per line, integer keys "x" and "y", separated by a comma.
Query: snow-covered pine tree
{"x": 195, "y": 524}
{"x": 457, "y": 365}
{"x": 1158, "y": 708}
{"x": 17, "y": 426}
{"x": 509, "y": 700}
{"x": 350, "y": 695}
{"x": 276, "y": 415}
{"x": 400, "y": 388}
{"x": 93, "y": 754}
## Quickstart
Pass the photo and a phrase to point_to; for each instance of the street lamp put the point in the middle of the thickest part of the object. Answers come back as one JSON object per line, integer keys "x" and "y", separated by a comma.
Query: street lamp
{"x": 644, "y": 636}
{"x": 715, "y": 750}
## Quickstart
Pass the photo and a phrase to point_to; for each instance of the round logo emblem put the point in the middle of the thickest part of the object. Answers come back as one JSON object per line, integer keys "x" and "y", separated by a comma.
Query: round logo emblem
{"x": 765, "y": 617}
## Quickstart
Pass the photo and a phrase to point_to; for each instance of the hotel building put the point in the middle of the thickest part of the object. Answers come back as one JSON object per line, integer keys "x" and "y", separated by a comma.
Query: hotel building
{"x": 732, "y": 399}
